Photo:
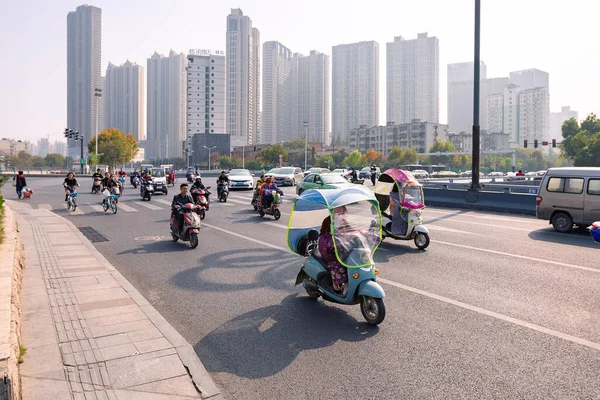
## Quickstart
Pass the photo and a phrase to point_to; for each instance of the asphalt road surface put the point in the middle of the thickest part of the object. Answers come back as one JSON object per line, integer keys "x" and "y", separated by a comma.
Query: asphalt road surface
{"x": 497, "y": 307}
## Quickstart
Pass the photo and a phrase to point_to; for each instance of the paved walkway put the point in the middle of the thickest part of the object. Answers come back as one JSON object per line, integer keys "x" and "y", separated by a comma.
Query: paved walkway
{"x": 89, "y": 333}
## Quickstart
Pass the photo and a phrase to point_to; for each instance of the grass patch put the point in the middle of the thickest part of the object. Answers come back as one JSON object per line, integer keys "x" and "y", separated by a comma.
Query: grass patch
{"x": 22, "y": 351}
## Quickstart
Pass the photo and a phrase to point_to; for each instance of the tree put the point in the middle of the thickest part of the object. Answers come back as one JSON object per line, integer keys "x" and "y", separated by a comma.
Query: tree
{"x": 325, "y": 161}
{"x": 37, "y": 161}
{"x": 226, "y": 162}
{"x": 295, "y": 144}
{"x": 354, "y": 159}
{"x": 24, "y": 159}
{"x": 395, "y": 156}
{"x": 253, "y": 165}
{"x": 115, "y": 146}
{"x": 215, "y": 158}
{"x": 55, "y": 160}
{"x": 270, "y": 154}
{"x": 410, "y": 156}
{"x": 582, "y": 143}
{"x": 442, "y": 146}
{"x": 373, "y": 157}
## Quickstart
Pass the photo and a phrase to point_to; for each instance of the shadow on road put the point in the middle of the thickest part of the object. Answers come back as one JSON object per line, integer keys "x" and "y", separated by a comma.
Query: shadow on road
{"x": 578, "y": 237}
{"x": 263, "y": 342}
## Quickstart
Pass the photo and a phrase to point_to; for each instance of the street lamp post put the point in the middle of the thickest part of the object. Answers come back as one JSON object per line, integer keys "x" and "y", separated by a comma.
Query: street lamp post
{"x": 476, "y": 139}
{"x": 209, "y": 149}
{"x": 305, "y": 143}
{"x": 243, "y": 152}
{"x": 98, "y": 96}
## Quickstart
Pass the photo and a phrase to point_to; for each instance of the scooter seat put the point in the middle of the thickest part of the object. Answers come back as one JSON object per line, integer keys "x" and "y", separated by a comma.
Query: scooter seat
{"x": 317, "y": 256}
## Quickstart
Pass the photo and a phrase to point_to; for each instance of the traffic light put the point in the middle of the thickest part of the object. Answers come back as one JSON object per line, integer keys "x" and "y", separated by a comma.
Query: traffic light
{"x": 553, "y": 142}
{"x": 535, "y": 143}
{"x": 525, "y": 143}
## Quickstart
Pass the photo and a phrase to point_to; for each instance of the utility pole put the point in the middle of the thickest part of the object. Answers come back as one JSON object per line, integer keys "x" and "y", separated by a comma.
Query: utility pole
{"x": 476, "y": 137}
{"x": 98, "y": 96}
{"x": 209, "y": 149}
{"x": 305, "y": 143}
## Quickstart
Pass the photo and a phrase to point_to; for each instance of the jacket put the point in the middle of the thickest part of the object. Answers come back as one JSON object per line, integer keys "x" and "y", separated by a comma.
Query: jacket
{"x": 20, "y": 181}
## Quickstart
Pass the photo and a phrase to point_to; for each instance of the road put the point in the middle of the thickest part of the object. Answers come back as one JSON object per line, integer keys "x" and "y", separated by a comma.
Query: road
{"x": 497, "y": 307}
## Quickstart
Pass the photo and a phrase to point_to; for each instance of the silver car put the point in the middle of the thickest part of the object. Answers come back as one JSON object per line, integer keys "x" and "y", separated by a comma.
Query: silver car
{"x": 286, "y": 175}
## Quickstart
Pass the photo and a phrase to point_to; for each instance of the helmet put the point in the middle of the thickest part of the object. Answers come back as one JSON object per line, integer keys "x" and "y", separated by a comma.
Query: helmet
{"x": 198, "y": 179}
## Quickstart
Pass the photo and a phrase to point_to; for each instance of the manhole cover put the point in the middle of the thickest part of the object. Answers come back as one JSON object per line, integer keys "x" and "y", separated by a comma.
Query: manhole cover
{"x": 93, "y": 235}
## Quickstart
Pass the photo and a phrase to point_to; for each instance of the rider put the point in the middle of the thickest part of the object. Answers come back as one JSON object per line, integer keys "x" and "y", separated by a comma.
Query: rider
{"x": 97, "y": 175}
{"x": 339, "y": 273}
{"x": 259, "y": 182}
{"x": 266, "y": 192}
{"x": 69, "y": 184}
{"x": 181, "y": 200}
{"x": 135, "y": 174}
{"x": 223, "y": 179}
{"x": 198, "y": 185}
{"x": 353, "y": 174}
{"x": 122, "y": 173}
{"x": 172, "y": 176}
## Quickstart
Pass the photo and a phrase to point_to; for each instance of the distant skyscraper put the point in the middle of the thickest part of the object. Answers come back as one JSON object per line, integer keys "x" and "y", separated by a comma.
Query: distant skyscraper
{"x": 206, "y": 93}
{"x": 355, "y": 88}
{"x": 413, "y": 86}
{"x": 530, "y": 78}
{"x": 310, "y": 97}
{"x": 460, "y": 95}
{"x": 243, "y": 78}
{"x": 277, "y": 93}
{"x": 166, "y": 103}
{"x": 124, "y": 102}
{"x": 534, "y": 115}
{"x": 60, "y": 147}
{"x": 510, "y": 116}
{"x": 44, "y": 147}
{"x": 558, "y": 118}
{"x": 84, "y": 43}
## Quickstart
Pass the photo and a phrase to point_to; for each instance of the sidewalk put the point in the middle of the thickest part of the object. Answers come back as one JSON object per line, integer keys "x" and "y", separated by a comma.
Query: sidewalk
{"x": 89, "y": 333}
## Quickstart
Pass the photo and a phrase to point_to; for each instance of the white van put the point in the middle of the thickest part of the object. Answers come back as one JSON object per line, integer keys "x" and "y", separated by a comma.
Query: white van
{"x": 569, "y": 196}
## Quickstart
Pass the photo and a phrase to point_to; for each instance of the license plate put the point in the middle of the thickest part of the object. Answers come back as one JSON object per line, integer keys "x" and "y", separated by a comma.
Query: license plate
{"x": 239, "y": 184}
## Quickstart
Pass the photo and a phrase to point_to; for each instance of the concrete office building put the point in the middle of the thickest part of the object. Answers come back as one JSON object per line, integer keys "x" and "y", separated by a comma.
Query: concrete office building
{"x": 243, "y": 79}
{"x": 557, "y": 119}
{"x": 124, "y": 99}
{"x": 277, "y": 93}
{"x": 206, "y": 93}
{"x": 84, "y": 53}
{"x": 355, "y": 88}
{"x": 530, "y": 78}
{"x": 166, "y": 104}
{"x": 413, "y": 69}
{"x": 310, "y": 79}
{"x": 44, "y": 147}
{"x": 534, "y": 115}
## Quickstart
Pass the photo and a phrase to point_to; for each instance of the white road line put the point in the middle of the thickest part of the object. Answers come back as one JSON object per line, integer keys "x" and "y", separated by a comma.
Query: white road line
{"x": 148, "y": 205}
{"x": 444, "y": 229}
{"x": 481, "y": 216}
{"x": 519, "y": 256}
{"x": 506, "y": 318}
{"x": 167, "y": 202}
{"x": 479, "y": 310}
{"x": 512, "y": 228}
{"x": 126, "y": 208}
{"x": 97, "y": 208}
{"x": 77, "y": 211}
{"x": 237, "y": 201}
{"x": 275, "y": 224}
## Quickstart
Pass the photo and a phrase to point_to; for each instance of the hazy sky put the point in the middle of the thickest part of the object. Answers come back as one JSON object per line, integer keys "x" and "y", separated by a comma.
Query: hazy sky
{"x": 561, "y": 38}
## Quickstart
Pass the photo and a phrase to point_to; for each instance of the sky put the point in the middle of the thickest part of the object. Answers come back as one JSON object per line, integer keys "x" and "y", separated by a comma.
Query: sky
{"x": 560, "y": 38}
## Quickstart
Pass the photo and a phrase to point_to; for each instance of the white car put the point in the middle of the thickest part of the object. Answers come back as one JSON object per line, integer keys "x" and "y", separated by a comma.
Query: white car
{"x": 286, "y": 175}
{"x": 240, "y": 179}
{"x": 341, "y": 171}
{"x": 420, "y": 173}
{"x": 159, "y": 179}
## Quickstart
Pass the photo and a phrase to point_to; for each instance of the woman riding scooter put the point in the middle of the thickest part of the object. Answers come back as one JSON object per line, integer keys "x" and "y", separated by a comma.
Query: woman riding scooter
{"x": 266, "y": 192}
{"x": 255, "y": 196}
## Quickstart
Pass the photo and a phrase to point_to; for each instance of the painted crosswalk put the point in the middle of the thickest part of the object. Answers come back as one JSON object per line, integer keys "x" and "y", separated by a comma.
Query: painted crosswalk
{"x": 126, "y": 208}
{"x": 148, "y": 205}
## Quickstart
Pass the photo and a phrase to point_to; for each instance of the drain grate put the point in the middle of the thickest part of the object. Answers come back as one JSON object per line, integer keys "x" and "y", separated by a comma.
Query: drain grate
{"x": 93, "y": 235}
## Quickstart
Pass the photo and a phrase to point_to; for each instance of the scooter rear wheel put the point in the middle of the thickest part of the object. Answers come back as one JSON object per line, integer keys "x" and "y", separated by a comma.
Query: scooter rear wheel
{"x": 175, "y": 237}
{"x": 373, "y": 310}
{"x": 276, "y": 214}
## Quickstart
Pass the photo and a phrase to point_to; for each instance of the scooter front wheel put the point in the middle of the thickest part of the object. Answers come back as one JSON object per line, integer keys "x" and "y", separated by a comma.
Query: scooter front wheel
{"x": 422, "y": 240}
{"x": 194, "y": 240}
{"x": 202, "y": 214}
{"x": 372, "y": 309}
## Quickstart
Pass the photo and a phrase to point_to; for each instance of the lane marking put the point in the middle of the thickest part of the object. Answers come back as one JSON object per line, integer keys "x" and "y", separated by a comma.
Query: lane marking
{"x": 444, "y": 229}
{"x": 148, "y": 205}
{"x": 275, "y": 224}
{"x": 502, "y": 317}
{"x": 479, "y": 310}
{"x": 513, "y": 228}
{"x": 518, "y": 256}
{"x": 126, "y": 208}
{"x": 482, "y": 216}
{"x": 97, "y": 208}
{"x": 167, "y": 202}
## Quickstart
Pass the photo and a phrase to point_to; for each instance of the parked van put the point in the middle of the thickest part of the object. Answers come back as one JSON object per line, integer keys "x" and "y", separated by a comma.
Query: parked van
{"x": 569, "y": 196}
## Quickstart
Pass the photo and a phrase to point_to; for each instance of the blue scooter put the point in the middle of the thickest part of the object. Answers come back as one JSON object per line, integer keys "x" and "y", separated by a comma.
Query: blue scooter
{"x": 355, "y": 229}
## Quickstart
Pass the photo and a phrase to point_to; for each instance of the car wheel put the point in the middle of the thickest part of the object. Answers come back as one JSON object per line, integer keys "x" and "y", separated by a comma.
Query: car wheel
{"x": 300, "y": 192}
{"x": 562, "y": 222}
{"x": 293, "y": 182}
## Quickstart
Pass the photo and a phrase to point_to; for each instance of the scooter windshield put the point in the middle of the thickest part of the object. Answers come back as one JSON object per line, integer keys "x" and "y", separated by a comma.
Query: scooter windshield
{"x": 413, "y": 197}
{"x": 356, "y": 231}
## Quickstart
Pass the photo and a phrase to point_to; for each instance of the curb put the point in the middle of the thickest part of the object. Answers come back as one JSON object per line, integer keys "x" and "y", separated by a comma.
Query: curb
{"x": 11, "y": 275}
{"x": 188, "y": 356}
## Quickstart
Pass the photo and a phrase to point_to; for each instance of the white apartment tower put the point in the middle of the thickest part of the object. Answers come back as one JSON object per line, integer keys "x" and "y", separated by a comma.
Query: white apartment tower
{"x": 277, "y": 93}
{"x": 558, "y": 118}
{"x": 355, "y": 88}
{"x": 206, "y": 93}
{"x": 510, "y": 110}
{"x": 124, "y": 99}
{"x": 460, "y": 95}
{"x": 166, "y": 104}
{"x": 530, "y": 78}
{"x": 84, "y": 51}
{"x": 243, "y": 78}
{"x": 310, "y": 77}
{"x": 494, "y": 110}
{"x": 413, "y": 86}
{"x": 534, "y": 115}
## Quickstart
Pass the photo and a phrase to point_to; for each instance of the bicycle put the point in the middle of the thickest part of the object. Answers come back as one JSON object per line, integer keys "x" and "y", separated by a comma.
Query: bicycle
{"x": 111, "y": 202}
{"x": 72, "y": 201}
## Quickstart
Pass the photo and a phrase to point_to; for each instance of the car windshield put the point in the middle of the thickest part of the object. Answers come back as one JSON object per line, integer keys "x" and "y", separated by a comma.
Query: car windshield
{"x": 273, "y": 171}
{"x": 333, "y": 179}
{"x": 286, "y": 171}
{"x": 239, "y": 172}
{"x": 158, "y": 173}
{"x": 366, "y": 169}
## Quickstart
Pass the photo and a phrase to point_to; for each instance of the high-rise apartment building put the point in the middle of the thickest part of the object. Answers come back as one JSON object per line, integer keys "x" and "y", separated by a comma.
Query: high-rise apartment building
{"x": 558, "y": 118}
{"x": 277, "y": 93}
{"x": 413, "y": 69}
{"x": 310, "y": 96}
{"x": 44, "y": 147}
{"x": 355, "y": 88}
{"x": 460, "y": 95}
{"x": 510, "y": 110}
{"x": 494, "y": 110}
{"x": 243, "y": 78}
{"x": 534, "y": 115}
{"x": 84, "y": 52}
{"x": 530, "y": 78}
{"x": 206, "y": 93}
{"x": 166, "y": 103}
{"x": 124, "y": 99}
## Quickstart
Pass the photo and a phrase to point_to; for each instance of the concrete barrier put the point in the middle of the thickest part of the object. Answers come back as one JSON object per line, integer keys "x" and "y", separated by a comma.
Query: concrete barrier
{"x": 507, "y": 202}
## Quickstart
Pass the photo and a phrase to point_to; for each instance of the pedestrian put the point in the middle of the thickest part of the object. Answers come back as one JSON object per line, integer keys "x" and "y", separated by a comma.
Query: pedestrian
{"x": 20, "y": 183}
{"x": 373, "y": 174}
